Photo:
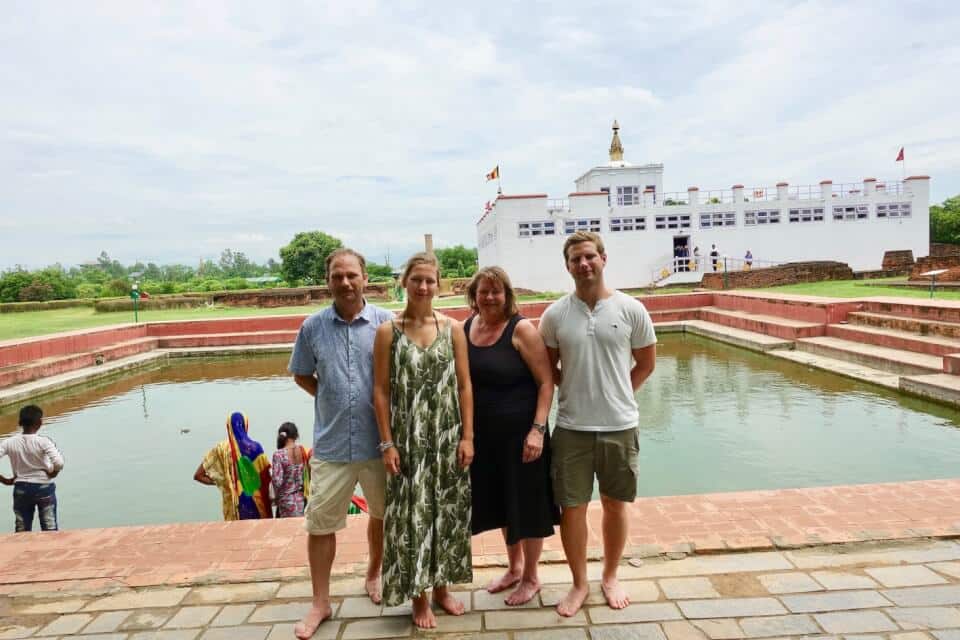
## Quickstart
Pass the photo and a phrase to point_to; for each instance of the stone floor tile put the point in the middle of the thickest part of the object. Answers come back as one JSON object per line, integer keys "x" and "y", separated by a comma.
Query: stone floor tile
{"x": 467, "y": 623}
{"x": 552, "y": 634}
{"x": 190, "y": 617}
{"x": 839, "y": 580}
{"x": 707, "y": 565}
{"x": 862, "y": 636}
{"x": 377, "y": 628}
{"x": 56, "y": 605}
{"x": 905, "y": 576}
{"x": 855, "y": 622}
{"x": 925, "y": 617}
{"x": 788, "y": 583}
{"x": 233, "y": 593}
{"x": 789, "y": 625}
{"x": 531, "y": 619}
{"x": 731, "y": 608}
{"x": 66, "y": 625}
{"x": 680, "y": 588}
{"x": 243, "y": 632}
{"x": 720, "y": 629}
{"x": 107, "y": 622}
{"x": 682, "y": 630}
{"x": 627, "y": 632}
{"x": 359, "y": 608}
{"x": 148, "y": 598}
{"x": 300, "y": 590}
{"x": 283, "y": 612}
{"x": 947, "y": 634}
{"x": 284, "y": 631}
{"x": 232, "y": 615}
{"x": 909, "y": 635}
{"x": 645, "y": 612}
{"x": 951, "y": 569}
{"x": 406, "y": 609}
{"x": 924, "y": 596}
{"x": 166, "y": 634}
{"x": 836, "y": 601}
{"x": 916, "y": 554}
{"x": 637, "y": 591}
{"x": 15, "y": 632}
{"x": 148, "y": 619}
{"x": 483, "y": 600}
{"x": 103, "y": 636}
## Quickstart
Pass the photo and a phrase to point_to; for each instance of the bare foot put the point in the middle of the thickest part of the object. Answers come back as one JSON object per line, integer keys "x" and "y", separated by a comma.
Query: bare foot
{"x": 423, "y": 616}
{"x": 504, "y": 582}
{"x": 616, "y": 597}
{"x": 445, "y": 600}
{"x": 523, "y": 593}
{"x": 572, "y": 602}
{"x": 372, "y": 586}
{"x": 308, "y": 625}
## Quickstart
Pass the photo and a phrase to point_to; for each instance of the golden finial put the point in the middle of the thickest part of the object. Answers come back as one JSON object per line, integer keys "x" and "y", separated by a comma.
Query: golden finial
{"x": 616, "y": 149}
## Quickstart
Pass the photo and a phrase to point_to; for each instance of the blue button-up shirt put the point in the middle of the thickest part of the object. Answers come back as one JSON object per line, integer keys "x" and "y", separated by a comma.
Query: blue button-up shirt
{"x": 341, "y": 356}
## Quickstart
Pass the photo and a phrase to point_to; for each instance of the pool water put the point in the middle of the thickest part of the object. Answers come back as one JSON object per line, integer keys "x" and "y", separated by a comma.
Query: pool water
{"x": 713, "y": 418}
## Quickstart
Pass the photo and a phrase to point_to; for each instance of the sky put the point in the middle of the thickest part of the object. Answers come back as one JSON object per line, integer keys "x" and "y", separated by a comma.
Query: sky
{"x": 169, "y": 131}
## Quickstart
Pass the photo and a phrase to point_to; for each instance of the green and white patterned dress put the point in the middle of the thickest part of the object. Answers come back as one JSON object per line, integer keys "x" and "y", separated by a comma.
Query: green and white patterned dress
{"x": 427, "y": 520}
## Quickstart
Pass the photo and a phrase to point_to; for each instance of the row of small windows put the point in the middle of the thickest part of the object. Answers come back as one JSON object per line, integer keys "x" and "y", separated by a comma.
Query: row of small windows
{"x": 716, "y": 220}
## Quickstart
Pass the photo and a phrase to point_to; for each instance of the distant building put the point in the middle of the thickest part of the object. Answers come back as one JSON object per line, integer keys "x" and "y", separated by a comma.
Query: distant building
{"x": 650, "y": 234}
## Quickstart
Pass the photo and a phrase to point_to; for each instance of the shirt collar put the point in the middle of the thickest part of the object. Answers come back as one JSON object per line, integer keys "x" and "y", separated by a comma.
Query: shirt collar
{"x": 366, "y": 314}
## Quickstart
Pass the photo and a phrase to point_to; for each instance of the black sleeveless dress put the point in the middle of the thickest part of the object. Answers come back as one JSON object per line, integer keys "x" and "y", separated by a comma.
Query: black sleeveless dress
{"x": 507, "y": 492}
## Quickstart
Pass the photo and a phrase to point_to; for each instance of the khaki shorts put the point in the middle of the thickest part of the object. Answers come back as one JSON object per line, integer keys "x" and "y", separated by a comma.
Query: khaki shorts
{"x": 579, "y": 455}
{"x": 331, "y": 487}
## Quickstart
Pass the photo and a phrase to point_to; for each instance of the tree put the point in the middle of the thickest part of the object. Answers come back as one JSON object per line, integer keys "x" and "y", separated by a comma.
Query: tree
{"x": 945, "y": 221}
{"x": 457, "y": 261}
{"x": 379, "y": 272}
{"x": 303, "y": 259}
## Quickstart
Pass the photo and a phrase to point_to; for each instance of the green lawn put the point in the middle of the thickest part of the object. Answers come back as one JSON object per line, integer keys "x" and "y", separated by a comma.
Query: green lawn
{"x": 862, "y": 289}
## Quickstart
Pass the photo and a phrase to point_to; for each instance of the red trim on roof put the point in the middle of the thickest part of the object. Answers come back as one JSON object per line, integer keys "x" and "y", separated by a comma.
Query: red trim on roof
{"x": 522, "y": 196}
{"x": 869, "y": 179}
{"x": 737, "y": 186}
{"x": 783, "y": 184}
{"x": 648, "y": 190}
{"x": 918, "y": 178}
{"x": 826, "y": 182}
{"x": 693, "y": 188}
{"x": 588, "y": 193}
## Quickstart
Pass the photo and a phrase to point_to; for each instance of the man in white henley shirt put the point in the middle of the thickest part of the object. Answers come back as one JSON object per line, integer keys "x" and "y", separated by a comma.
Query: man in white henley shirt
{"x": 605, "y": 342}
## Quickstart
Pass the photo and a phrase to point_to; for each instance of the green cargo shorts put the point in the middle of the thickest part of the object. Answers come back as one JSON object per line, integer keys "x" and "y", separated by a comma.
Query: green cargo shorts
{"x": 579, "y": 455}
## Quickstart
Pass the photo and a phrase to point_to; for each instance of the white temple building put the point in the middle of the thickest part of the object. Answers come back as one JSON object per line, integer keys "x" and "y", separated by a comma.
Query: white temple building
{"x": 645, "y": 228}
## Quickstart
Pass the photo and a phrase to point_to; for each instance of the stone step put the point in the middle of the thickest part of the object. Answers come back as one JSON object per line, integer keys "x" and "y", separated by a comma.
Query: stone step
{"x": 895, "y": 339}
{"x": 55, "y": 365}
{"x": 776, "y": 326}
{"x": 840, "y": 367}
{"x": 227, "y": 339}
{"x": 901, "y": 323}
{"x": 738, "y": 337}
{"x": 941, "y": 387}
{"x": 795, "y": 307}
{"x": 936, "y": 310}
{"x": 883, "y": 358}
{"x": 673, "y": 315}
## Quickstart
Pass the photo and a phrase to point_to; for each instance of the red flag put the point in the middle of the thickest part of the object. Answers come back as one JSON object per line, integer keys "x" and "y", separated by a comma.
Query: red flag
{"x": 493, "y": 175}
{"x": 899, "y": 156}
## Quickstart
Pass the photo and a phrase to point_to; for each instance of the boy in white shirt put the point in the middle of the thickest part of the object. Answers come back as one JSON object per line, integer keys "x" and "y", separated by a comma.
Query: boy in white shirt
{"x": 35, "y": 461}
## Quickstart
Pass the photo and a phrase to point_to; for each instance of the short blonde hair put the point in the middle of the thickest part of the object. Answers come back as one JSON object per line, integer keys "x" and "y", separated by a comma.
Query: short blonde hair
{"x": 493, "y": 274}
{"x": 579, "y": 237}
{"x": 417, "y": 259}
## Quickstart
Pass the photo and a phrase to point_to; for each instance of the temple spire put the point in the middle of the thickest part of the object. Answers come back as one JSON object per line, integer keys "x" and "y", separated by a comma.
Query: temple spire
{"x": 616, "y": 149}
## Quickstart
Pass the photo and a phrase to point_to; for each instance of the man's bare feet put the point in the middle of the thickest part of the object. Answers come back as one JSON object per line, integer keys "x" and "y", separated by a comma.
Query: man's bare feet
{"x": 445, "y": 600}
{"x": 572, "y": 602}
{"x": 308, "y": 625}
{"x": 372, "y": 586}
{"x": 423, "y": 616}
{"x": 616, "y": 597}
{"x": 504, "y": 582}
{"x": 523, "y": 593}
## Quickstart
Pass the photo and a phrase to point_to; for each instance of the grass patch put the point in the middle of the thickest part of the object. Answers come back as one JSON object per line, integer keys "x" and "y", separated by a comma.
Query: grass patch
{"x": 862, "y": 289}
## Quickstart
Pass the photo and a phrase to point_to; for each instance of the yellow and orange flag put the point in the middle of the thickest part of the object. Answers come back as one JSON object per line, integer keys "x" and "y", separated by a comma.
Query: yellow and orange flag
{"x": 495, "y": 174}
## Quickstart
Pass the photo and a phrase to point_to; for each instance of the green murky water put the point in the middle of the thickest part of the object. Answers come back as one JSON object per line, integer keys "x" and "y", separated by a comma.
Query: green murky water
{"x": 714, "y": 418}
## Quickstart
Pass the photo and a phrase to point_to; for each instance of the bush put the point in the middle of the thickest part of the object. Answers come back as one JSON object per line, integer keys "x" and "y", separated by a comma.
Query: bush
{"x": 116, "y": 287}
{"x": 36, "y": 291}
{"x": 16, "y": 307}
{"x": 89, "y": 290}
{"x": 234, "y": 284}
{"x": 166, "y": 302}
{"x": 211, "y": 285}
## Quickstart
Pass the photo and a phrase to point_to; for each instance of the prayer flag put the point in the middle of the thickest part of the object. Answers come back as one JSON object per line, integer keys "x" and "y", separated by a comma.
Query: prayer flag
{"x": 495, "y": 174}
{"x": 899, "y": 156}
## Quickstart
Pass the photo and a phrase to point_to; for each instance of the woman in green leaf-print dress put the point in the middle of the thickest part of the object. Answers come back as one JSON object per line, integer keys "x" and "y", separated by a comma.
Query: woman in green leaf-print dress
{"x": 424, "y": 404}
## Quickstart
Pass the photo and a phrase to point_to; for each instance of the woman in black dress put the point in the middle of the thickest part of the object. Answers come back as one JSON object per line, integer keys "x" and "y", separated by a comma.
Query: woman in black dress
{"x": 512, "y": 391}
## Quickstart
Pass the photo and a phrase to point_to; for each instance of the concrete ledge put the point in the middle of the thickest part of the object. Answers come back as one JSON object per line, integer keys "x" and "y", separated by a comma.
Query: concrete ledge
{"x": 942, "y": 387}
{"x": 737, "y": 337}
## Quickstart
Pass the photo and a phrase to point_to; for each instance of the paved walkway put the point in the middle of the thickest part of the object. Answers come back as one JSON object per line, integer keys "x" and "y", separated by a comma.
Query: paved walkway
{"x": 863, "y": 591}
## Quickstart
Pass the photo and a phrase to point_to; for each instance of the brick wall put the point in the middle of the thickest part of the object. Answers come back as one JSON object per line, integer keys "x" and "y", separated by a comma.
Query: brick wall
{"x": 791, "y": 273}
{"x": 930, "y": 263}
{"x": 941, "y": 249}
{"x": 897, "y": 261}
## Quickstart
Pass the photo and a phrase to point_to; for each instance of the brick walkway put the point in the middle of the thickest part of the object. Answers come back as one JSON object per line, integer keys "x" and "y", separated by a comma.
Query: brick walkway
{"x": 186, "y": 554}
{"x": 901, "y": 591}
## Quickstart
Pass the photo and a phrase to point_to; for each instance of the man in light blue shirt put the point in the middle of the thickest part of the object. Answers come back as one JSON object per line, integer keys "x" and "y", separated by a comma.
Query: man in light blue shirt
{"x": 333, "y": 361}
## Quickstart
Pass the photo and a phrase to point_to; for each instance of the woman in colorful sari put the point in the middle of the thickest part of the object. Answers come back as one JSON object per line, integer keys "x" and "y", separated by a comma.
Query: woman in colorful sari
{"x": 290, "y": 472}
{"x": 240, "y": 468}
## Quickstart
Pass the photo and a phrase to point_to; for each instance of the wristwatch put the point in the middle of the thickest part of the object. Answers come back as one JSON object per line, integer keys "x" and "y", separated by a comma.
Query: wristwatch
{"x": 542, "y": 428}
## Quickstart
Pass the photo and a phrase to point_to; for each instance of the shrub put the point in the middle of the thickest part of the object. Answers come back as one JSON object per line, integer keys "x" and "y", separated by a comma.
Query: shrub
{"x": 36, "y": 291}
{"x": 89, "y": 290}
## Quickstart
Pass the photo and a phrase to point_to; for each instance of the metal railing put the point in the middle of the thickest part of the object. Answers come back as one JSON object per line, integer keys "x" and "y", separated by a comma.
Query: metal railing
{"x": 558, "y": 204}
{"x": 708, "y": 264}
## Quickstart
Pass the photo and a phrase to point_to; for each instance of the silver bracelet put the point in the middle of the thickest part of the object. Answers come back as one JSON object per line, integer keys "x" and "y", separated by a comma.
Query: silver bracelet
{"x": 383, "y": 446}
